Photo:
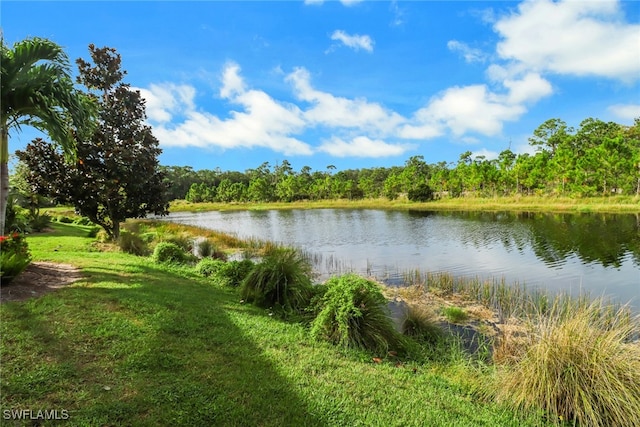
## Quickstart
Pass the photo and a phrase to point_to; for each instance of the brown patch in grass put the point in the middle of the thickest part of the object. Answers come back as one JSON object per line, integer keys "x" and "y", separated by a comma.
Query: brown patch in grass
{"x": 37, "y": 279}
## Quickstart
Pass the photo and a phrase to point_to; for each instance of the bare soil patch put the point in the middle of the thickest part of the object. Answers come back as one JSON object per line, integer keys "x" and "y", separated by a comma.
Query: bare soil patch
{"x": 37, "y": 279}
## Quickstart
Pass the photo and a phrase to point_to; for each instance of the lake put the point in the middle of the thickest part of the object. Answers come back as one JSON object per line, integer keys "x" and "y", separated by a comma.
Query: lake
{"x": 595, "y": 253}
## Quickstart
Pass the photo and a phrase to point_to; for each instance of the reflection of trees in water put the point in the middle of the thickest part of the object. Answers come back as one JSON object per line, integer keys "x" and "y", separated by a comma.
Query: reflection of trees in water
{"x": 606, "y": 239}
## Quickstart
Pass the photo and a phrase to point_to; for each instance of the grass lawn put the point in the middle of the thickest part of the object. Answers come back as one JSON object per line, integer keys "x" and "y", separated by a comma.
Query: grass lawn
{"x": 137, "y": 343}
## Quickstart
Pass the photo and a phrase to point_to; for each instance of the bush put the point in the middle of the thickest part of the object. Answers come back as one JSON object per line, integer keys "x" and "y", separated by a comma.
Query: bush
{"x": 39, "y": 222}
{"x": 170, "y": 252}
{"x": 132, "y": 244}
{"x": 209, "y": 267}
{"x": 420, "y": 193}
{"x": 232, "y": 273}
{"x": 16, "y": 218}
{"x": 64, "y": 219}
{"x": 14, "y": 256}
{"x": 578, "y": 364}
{"x": 280, "y": 280}
{"x": 83, "y": 220}
{"x": 93, "y": 232}
{"x": 354, "y": 314}
{"x": 184, "y": 241}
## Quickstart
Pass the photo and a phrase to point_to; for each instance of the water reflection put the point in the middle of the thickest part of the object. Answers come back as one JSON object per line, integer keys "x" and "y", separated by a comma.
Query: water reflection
{"x": 570, "y": 252}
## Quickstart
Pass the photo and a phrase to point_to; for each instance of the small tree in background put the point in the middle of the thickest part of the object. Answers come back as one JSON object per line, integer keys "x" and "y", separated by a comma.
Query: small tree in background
{"x": 116, "y": 175}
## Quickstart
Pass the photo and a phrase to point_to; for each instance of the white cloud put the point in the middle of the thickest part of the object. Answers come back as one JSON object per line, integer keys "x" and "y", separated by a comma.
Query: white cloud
{"x": 338, "y": 112}
{"x": 529, "y": 89}
{"x": 313, "y": 2}
{"x": 583, "y": 38}
{"x": 262, "y": 122}
{"x": 398, "y": 14}
{"x": 355, "y": 41}
{"x": 627, "y": 112}
{"x": 164, "y": 100}
{"x": 487, "y": 154}
{"x": 468, "y": 53}
{"x": 468, "y": 109}
{"x": 232, "y": 83}
{"x": 362, "y": 146}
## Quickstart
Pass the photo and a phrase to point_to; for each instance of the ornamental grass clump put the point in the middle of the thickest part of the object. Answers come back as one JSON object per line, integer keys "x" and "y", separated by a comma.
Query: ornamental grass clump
{"x": 578, "y": 364}
{"x": 420, "y": 325}
{"x": 354, "y": 313}
{"x": 281, "y": 280}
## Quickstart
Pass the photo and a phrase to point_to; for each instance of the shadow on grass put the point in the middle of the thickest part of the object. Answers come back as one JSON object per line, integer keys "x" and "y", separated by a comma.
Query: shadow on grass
{"x": 142, "y": 345}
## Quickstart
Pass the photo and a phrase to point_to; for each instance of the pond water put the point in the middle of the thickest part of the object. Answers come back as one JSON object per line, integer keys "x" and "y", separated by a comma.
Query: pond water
{"x": 595, "y": 253}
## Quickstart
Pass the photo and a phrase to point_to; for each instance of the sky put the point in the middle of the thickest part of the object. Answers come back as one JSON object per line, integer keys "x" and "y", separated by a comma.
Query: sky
{"x": 353, "y": 84}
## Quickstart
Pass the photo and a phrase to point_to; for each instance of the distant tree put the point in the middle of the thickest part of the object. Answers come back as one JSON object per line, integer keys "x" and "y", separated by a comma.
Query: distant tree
{"x": 37, "y": 90}
{"x": 116, "y": 175}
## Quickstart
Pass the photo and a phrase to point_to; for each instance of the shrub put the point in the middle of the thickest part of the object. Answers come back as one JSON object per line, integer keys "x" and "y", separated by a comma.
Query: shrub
{"x": 232, "y": 273}
{"x": 280, "y": 280}
{"x": 354, "y": 314}
{"x": 420, "y": 193}
{"x": 14, "y": 256}
{"x": 39, "y": 222}
{"x": 170, "y": 252}
{"x": 455, "y": 314}
{"x": 64, "y": 219}
{"x": 577, "y": 364}
{"x": 132, "y": 244}
{"x": 93, "y": 232}
{"x": 83, "y": 220}
{"x": 208, "y": 267}
{"x": 183, "y": 240}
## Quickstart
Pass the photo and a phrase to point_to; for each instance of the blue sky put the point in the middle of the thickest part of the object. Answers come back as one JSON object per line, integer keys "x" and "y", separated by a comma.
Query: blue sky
{"x": 354, "y": 84}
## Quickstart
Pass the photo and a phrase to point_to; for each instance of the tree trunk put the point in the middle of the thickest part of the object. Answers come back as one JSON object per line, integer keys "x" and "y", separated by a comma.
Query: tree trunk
{"x": 4, "y": 175}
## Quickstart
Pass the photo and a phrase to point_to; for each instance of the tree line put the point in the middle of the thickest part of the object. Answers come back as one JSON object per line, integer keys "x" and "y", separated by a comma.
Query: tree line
{"x": 599, "y": 158}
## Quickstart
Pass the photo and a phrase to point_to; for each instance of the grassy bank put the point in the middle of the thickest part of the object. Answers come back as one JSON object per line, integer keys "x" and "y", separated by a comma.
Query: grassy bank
{"x": 618, "y": 204}
{"x": 140, "y": 343}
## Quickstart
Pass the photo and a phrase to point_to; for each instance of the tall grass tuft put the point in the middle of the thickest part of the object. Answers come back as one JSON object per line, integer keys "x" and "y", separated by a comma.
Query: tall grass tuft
{"x": 420, "y": 324}
{"x": 282, "y": 280}
{"x": 354, "y": 314}
{"x": 132, "y": 243}
{"x": 576, "y": 362}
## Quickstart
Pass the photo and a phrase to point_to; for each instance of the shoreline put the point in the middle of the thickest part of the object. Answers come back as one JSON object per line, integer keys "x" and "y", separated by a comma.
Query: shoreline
{"x": 611, "y": 205}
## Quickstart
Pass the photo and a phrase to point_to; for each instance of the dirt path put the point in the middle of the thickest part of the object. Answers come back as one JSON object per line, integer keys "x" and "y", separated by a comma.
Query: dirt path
{"x": 38, "y": 279}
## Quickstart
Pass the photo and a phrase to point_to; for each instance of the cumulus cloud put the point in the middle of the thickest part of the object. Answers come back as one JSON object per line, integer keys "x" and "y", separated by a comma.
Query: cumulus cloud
{"x": 165, "y": 100}
{"x": 355, "y": 41}
{"x": 362, "y": 146}
{"x": 260, "y": 122}
{"x": 338, "y": 112}
{"x": 583, "y": 38}
{"x": 628, "y": 112}
{"x": 468, "y": 53}
{"x": 529, "y": 89}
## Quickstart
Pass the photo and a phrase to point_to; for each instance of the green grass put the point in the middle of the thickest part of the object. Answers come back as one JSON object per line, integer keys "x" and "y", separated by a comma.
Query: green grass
{"x": 614, "y": 204}
{"x": 455, "y": 314}
{"x": 137, "y": 343}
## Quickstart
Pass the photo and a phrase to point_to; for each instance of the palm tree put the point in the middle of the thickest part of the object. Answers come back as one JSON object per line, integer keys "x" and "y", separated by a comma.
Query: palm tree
{"x": 37, "y": 90}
